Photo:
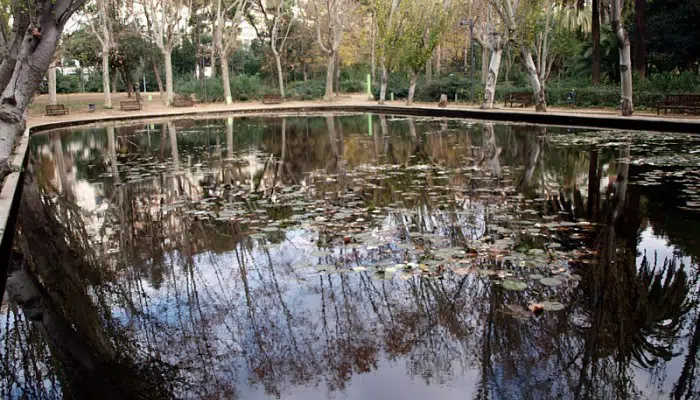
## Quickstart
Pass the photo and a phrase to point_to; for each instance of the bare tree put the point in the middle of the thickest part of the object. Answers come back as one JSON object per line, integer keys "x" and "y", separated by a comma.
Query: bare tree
{"x": 332, "y": 17}
{"x": 104, "y": 33}
{"x": 279, "y": 18}
{"x": 492, "y": 38}
{"x": 623, "y": 46}
{"x": 163, "y": 18}
{"x": 30, "y": 49}
{"x": 226, "y": 35}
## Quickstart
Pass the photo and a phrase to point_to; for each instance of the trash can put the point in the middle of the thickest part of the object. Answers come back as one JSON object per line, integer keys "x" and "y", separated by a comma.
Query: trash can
{"x": 91, "y": 108}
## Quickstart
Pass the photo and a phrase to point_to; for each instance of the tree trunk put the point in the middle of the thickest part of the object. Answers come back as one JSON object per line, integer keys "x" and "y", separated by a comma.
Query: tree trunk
{"x": 225, "y": 77}
{"x": 438, "y": 60}
{"x": 412, "y": 89}
{"x": 33, "y": 60}
{"x": 336, "y": 73}
{"x": 373, "y": 53}
{"x": 640, "y": 46}
{"x": 623, "y": 45}
{"x": 156, "y": 72}
{"x": 114, "y": 82}
{"x": 213, "y": 62}
{"x": 53, "y": 99}
{"x": 485, "y": 64}
{"x": 384, "y": 83}
{"x": 595, "y": 28}
{"x": 490, "y": 88}
{"x": 329, "y": 78}
{"x": 169, "y": 91}
{"x": 105, "y": 77}
{"x": 280, "y": 77}
{"x": 537, "y": 86}
{"x": 429, "y": 70}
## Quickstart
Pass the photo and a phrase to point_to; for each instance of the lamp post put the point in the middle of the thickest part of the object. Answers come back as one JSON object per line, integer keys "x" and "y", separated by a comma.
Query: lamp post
{"x": 470, "y": 23}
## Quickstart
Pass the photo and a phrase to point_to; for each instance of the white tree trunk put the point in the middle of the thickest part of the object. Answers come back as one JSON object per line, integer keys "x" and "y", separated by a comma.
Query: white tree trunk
{"x": 623, "y": 45}
{"x": 169, "y": 91}
{"x": 105, "y": 77}
{"x": 438, "y": 60}
{"x": 226, "y": 79}
{"x": 384, "y": 83}
{"x": 490, "y": 88}
{"x": 280, "y": 77}
{"x": 484, "y": 64}
{"x": 330, "y": 73}
{"x": 53, "y": 98}
{"x": 412, "y": 89}
{"x": 537, "y": 86}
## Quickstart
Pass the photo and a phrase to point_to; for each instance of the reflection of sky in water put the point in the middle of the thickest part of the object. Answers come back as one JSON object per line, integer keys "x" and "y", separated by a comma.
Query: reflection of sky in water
{"x": 280, "y": 309}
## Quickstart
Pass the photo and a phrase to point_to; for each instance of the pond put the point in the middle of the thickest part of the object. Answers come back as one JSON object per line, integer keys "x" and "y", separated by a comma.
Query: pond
{"x": 355, "y": 256}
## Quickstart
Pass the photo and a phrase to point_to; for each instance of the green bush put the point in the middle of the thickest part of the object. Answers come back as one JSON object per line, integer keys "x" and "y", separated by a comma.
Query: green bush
{"x": 309, "y": 90}
{"x": 352, "y": 86}
{"x": 243, "y": 88}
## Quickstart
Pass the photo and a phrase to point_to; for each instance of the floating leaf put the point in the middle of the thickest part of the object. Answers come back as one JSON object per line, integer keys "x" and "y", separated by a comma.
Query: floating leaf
{"x": 320, "y": 253}
{"x": 552, "y": 306}
{"x": 550, "y": 281}
{"x": 510, "y": 284}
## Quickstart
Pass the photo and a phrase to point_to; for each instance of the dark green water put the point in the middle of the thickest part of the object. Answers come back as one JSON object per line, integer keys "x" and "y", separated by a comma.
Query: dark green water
{"x": 359, "y": 257}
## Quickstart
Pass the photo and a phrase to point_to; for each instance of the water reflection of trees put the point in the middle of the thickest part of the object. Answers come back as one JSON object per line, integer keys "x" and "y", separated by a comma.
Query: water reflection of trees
{"x": 226, "y": 309}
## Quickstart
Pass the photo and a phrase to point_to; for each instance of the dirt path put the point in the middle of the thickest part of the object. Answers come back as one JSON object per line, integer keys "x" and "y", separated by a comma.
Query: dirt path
{"x": 78, "y": 104}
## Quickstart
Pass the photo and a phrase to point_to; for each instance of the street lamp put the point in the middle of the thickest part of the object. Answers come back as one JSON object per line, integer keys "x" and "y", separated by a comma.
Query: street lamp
{"x": 470, "y": 23}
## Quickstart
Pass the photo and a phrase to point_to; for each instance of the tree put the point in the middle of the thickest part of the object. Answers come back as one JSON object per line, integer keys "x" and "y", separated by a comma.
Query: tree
{"x": 623, "y": 46}
{"x": 426, "y": 24}
{"x": 279, "y": 18}
{"x": 163, "y": 20}
{"x": 30, "y": 49}
{"x": 101, "y": 27}
{"x": 640, "y": 45}
{"x": 595, "y": 29}
{"x": 495, "y": 42}
{"x": 226, "y": 35}
{"x": 332, "y": 17}
{"x": 389, "y": 26}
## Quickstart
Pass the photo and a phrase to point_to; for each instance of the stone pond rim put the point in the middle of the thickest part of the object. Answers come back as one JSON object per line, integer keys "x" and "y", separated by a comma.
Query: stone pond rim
{"x": 12, "y": 186}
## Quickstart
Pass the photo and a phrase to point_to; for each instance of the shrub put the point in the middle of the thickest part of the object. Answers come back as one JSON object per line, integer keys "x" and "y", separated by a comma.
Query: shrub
{"x": 306, "y": 90}
{"x": 352, "y": 86}
{"x": 243, "y": 88}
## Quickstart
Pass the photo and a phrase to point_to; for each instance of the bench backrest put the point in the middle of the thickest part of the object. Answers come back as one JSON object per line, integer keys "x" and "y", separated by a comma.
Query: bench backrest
{"x": 130, "y": 102}
{"x": 55, "y": 107}
{"x": 682, "y": 98}
{"x": 272, "y": 97}
{"x": 520, "y": 95}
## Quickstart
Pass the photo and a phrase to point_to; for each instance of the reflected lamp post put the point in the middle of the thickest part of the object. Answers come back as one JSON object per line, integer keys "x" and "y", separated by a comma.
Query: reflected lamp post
{"x": 470, "y": 23}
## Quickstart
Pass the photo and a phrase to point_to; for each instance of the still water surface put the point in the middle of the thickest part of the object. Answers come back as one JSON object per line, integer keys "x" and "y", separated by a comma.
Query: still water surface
{"x": 359, "y": 257}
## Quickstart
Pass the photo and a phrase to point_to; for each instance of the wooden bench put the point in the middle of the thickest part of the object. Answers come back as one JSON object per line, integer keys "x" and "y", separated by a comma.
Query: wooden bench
{"x": 272, "y": 99}
{"x": 130, "y": 105}
{"x": 524, "y": 98}
{"x": 684, "y": 102}
{"x": 182, "y": 102}
{"x": 57, "y": 109}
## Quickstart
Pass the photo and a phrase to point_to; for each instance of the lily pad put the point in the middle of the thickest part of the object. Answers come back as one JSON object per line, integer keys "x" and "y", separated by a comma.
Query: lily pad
{"x": 553, "y": 306}
{"x": 550, "y": 282}
{"x": 510, "y": 284}
{"x": 320, "y": 253}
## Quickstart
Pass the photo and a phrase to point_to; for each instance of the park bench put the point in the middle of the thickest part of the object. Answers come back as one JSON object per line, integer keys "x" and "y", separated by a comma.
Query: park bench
{"x": 272, "y": 99}
{"x": 524, "y": 98}
{"x": 183, "y": 102}
{"x": 684, "y": 102}
{"x": 130, "y": 105}
{"x": 56, "y": 109}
